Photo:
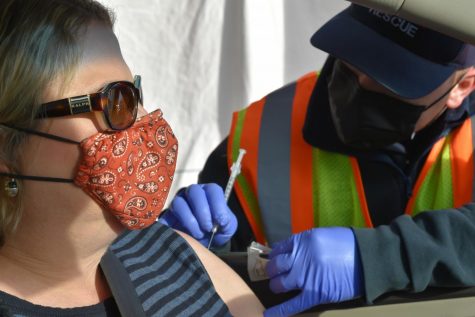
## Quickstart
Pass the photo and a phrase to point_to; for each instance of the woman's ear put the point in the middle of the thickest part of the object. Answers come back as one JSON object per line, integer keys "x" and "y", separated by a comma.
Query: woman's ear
{"x": 462, "y": 89}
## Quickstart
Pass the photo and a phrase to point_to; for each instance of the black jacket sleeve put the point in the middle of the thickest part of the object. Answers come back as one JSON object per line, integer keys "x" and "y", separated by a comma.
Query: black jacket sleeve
{"x": 434, "y": 248}
{"x": 216, "y": 171}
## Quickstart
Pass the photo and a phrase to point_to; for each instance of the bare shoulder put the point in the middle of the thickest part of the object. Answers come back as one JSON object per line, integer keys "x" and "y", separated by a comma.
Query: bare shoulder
{"x": 231, "y": 288}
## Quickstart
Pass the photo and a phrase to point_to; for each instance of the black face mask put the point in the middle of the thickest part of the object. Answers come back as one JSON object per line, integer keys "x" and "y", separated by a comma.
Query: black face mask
{"x": 368, "y": 120}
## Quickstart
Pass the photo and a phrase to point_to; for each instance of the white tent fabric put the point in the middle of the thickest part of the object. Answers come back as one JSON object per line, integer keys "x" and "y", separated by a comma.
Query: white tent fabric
{"x": 200, "y": 60}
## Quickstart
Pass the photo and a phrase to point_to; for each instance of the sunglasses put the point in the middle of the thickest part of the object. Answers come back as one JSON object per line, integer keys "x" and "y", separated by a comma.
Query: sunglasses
{"x": 118, "y": 101}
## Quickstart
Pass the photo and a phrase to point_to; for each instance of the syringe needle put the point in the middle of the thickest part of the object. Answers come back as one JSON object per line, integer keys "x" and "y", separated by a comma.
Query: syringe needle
{"x": 235, "y": 170}
{"x": 213, "y": 232}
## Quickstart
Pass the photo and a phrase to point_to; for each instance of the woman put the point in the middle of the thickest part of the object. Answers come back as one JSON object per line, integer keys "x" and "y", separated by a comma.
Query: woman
{"x": 81, "y": 174}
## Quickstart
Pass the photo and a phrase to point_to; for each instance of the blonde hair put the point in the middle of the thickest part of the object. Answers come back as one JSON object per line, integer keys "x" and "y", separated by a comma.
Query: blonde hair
{"x": 38, "y": 43}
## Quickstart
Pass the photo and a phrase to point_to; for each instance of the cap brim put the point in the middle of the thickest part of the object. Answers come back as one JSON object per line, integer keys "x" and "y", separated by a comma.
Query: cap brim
{"x": 399, "y": 70}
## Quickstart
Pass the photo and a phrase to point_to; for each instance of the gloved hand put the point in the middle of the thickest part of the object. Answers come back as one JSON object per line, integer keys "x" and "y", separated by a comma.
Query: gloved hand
{"x": 323, "y": 262}
{"x": 196, "y": 209}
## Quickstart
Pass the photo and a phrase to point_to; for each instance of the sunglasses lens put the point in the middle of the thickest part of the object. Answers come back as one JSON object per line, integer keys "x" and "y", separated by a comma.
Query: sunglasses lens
{"x": 122, "y": 106}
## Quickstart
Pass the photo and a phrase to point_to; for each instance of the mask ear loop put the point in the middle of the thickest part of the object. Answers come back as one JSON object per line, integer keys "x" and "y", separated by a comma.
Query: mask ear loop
{"x": 42, "y": 134}
{"x": 31, "y": 177}
{"x": 38, "y": 178}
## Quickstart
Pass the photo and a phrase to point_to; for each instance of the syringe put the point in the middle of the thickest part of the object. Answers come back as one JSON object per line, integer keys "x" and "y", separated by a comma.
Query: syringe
{"x": 235, "y": 170}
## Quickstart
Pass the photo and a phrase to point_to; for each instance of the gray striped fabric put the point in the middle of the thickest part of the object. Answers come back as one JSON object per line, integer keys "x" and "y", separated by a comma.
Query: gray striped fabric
{"x": 154, "y": 272}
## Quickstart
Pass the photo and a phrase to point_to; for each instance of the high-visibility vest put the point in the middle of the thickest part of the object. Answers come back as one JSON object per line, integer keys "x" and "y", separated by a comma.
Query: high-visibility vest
{"x": 287, "y": 186}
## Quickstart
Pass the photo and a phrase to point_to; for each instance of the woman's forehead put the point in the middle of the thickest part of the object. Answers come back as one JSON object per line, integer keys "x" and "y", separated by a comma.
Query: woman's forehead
{"x": 99, "y": 43}
{"x": 100, "y": 63}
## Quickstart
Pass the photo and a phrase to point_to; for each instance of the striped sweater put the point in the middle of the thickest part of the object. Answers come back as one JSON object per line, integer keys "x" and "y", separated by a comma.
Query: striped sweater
{"x": 154, "y": 272}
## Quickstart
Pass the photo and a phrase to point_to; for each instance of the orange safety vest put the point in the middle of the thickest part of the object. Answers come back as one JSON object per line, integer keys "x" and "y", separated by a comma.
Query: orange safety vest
{"x": 287, "y": 186}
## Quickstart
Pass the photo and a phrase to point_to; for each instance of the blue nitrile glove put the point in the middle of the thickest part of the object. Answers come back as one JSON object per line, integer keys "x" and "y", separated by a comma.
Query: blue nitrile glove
{"x": 323, "y": 263}
{"x": 195, "y": 210}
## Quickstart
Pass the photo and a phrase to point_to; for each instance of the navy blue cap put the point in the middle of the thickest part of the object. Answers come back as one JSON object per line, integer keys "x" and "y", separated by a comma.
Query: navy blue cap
{"x": 408, "y": 59}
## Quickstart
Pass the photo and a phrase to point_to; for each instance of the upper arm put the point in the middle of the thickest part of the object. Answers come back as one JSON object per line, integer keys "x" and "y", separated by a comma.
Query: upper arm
{"x": 235, "y": 293}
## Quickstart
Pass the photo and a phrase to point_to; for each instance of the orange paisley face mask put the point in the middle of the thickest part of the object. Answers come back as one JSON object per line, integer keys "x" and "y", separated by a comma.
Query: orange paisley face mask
{"x": 127, "y": 172}
{"x": 130, "y": 172}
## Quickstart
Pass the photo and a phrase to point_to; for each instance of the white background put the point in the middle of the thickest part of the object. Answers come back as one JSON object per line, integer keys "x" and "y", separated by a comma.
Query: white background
{"x": 200, "y": 60}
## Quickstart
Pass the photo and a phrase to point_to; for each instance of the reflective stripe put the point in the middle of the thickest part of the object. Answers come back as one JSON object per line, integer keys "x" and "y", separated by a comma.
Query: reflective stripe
{"x": 363, "y": 206}
{"x": 244, "y": 134}
{"x": 472, "y": 120}
{"x": 273, "y": 170}
{"x": 302, "y": 160}
{"x": 337, "y": 196}
{"x": 431, "y": 158}
{"x": 461, "y": 155}
{"x": 437, "y": 190}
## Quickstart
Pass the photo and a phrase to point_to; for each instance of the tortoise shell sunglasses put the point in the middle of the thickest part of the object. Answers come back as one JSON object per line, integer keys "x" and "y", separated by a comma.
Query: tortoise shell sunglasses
{"x": 118, "y": 101}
